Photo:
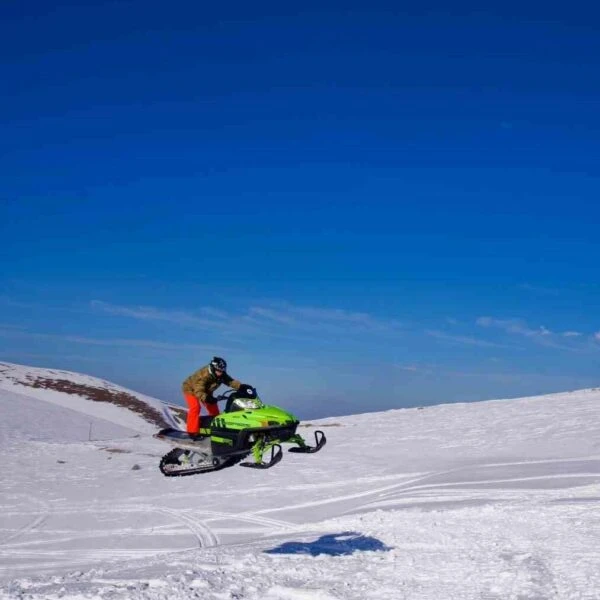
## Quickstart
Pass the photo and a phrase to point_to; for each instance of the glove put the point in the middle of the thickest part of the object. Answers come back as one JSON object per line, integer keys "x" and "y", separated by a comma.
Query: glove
{"x": 247, "y": 391}
{"x": 211, "y": 400}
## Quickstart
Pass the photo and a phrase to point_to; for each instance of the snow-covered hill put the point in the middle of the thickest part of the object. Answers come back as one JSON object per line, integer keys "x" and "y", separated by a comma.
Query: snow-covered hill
{"x": 97, "y": 398}
{"x": 493, "y": 500}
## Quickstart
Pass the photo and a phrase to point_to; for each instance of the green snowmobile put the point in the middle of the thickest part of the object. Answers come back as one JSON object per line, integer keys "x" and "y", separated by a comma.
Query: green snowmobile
{"x": 246, "y": 427}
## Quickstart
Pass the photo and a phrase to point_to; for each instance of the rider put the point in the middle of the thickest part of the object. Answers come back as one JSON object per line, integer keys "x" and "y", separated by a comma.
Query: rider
{"x": 199, "y": 387}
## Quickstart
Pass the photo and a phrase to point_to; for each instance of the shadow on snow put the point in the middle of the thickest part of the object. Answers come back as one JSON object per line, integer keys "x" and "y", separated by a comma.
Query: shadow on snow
{"x": 334, "y": 544}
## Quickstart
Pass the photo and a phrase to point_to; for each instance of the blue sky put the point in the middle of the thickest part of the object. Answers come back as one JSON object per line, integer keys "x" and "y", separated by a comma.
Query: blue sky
{"x": 360, "y": 206}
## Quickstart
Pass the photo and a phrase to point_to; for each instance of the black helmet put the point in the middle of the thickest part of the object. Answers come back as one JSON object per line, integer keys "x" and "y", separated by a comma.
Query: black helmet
{"x": 218, "y": 364}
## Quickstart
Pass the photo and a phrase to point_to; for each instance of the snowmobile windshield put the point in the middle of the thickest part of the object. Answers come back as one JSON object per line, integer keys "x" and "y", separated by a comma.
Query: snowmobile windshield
{"x": 247, "y": 403}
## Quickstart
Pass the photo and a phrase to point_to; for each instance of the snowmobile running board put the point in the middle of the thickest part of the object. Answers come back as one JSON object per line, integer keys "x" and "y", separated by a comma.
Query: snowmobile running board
{"x": 320, "y": 441}
{"x": 182, "y": 439}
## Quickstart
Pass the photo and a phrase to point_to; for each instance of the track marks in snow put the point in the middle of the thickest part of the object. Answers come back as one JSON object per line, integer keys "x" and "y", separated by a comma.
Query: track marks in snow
{"x": 252, "y": 518}
{"x": 89, "y": 545}
{"x": 456, "y": 488}
{"x": 38, "y": 520}
{"x": 31, "y": 526}
{"x": 468, "y": 485}
{"x": 204, "y": 535}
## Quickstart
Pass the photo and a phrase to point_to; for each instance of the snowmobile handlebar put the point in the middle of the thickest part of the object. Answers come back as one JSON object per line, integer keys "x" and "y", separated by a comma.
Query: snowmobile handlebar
{"x": 245, "y": 391}
{"x": 224, "y": 396}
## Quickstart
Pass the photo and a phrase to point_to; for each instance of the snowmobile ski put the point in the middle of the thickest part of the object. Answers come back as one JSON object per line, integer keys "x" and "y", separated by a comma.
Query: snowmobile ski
{"x": 320, "y": 441}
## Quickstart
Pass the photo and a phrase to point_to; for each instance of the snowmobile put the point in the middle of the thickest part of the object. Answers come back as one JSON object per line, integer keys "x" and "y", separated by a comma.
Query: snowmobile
{"x": 247, "y": 427}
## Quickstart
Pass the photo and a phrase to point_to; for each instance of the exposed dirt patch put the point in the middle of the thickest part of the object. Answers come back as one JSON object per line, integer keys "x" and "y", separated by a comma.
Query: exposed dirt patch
{"x": 99, "y": 394}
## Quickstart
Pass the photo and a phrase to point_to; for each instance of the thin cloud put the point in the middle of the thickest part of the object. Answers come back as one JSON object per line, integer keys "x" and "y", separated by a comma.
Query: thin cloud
{"x": 597, "y": 336}
{"x": 489, "y": 376}
{"x": 513, "y": 326}
{"x": 257, "y": 313}
{"x": 112, "y": 342}
{"x": 12, "y": 326}
{"x": 52, "y": 356}
{"x": 463, "y": 339}
{"x": 137, "y": 343}
{"x": 16, "y": 303}
{"x": 442, "y": 371}
{"x": 541, "y": 335}
{"x": 315, "y": 317}
{"x": 272, "y": 320}
{"x": 149, "y": 313}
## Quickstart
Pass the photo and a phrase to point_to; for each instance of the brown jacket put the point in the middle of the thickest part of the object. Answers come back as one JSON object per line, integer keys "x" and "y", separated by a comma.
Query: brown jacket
{"x": 202, "y": 383}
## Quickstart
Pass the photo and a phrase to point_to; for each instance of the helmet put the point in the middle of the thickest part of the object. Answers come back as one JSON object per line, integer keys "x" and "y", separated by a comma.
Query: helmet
{"x": 218, "y": 363}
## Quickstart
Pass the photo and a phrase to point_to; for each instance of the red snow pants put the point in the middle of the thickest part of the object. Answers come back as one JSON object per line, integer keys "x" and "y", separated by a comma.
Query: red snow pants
{"x": 193, "y": 416}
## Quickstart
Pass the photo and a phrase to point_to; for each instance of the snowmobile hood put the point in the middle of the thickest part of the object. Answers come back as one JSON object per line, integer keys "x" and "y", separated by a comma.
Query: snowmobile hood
{"x": 266, "y": 416}
{"x": 274, "y": 413}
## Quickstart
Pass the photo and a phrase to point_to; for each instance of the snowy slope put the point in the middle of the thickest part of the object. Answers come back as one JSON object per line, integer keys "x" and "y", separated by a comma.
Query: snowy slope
{"x": 492, "y": 500}
{"x": 91, "y": 396}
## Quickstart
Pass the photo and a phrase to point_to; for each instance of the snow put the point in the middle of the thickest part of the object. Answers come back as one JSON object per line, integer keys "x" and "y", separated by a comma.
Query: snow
{"x": 492, "y": 500}
{"x": 14, "y": 377}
